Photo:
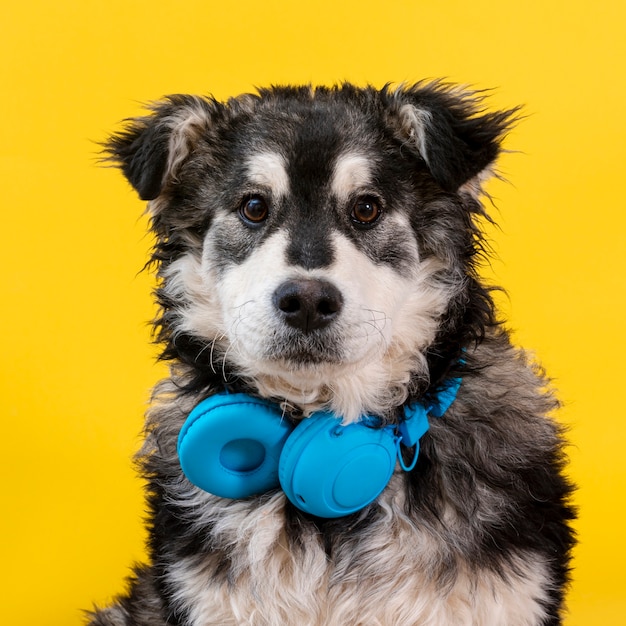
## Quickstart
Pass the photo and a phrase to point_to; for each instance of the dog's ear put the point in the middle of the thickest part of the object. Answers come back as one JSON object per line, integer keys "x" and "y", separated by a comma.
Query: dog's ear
{"x": 150, "y": 149}
{"x": 452, "y": 134}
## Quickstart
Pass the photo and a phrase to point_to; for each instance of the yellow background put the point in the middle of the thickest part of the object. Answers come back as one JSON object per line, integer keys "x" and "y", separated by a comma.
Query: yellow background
{"x": 76, "y": 361}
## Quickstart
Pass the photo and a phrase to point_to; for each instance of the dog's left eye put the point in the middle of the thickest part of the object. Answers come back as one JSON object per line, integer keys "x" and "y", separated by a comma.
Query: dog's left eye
{"x": 366, "y": 211}
{"x": 254, "y": 210}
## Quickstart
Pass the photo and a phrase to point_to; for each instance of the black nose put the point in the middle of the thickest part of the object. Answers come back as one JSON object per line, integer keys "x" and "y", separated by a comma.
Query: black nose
{"x": 308, "y": 304}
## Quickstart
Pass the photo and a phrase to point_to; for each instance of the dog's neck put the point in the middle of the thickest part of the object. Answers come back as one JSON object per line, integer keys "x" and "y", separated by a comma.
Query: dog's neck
{"x": 236, "y": 445}
{"x": 435, "y": 399}
{"x": 375, "y": 387}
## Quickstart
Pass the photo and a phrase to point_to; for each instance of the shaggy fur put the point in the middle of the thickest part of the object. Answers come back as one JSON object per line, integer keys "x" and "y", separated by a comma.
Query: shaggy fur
{"x": 371, "y": 196}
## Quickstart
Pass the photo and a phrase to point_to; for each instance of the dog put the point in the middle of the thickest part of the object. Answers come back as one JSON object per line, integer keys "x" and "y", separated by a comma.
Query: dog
{"x": 347, "y": 436}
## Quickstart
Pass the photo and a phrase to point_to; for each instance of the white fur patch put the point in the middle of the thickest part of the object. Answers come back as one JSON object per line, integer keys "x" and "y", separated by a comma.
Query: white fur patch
{"x": 475, "y": 186}
{"x": 387, "y": 578}
{"x": 414, "y": 122}
{"x": 386, "y": 321}
{"x": 185, "y": 127}
{"x": 352, "y": 172}
{"x": 268, "y": 170}
{"x": 376, "y": 342}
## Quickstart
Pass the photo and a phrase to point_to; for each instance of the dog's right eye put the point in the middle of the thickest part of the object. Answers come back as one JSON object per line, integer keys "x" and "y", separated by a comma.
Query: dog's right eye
{"x": 254, "y": 210}
{"x": 366, "y": 212}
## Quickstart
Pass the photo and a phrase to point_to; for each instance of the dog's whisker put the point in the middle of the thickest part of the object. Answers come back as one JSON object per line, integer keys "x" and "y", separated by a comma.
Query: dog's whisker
{"x": 212, "y": 353}
{"x": 206, "y": 346}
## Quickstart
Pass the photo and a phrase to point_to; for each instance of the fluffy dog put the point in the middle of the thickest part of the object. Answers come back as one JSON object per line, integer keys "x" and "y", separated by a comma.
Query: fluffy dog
{"x": 317, "y": 251}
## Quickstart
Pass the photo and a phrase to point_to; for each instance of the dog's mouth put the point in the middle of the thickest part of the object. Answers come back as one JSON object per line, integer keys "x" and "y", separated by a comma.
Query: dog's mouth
{"x": 298, "y": 351}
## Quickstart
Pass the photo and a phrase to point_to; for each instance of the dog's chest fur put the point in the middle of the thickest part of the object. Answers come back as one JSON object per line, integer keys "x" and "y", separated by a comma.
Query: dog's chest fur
{"x": 405, "y": 583}
{"x": 319, "y": 247}
{"x": 436, "y": 550}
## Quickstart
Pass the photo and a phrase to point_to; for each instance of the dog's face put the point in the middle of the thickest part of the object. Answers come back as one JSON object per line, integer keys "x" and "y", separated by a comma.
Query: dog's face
{"x": 316, "y": 241}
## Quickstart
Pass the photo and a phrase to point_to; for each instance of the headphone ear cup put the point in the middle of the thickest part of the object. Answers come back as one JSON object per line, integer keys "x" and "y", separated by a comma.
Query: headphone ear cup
{"x": 230, "y": 445}
{"x": 330, "y": 470}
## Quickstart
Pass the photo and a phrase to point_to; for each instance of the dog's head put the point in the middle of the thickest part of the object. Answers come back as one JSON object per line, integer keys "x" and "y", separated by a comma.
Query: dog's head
{"x": 318, "y": 244}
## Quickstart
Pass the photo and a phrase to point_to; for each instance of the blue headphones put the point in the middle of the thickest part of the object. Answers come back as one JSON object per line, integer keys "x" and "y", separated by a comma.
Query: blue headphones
{"x": 236, "y": 445}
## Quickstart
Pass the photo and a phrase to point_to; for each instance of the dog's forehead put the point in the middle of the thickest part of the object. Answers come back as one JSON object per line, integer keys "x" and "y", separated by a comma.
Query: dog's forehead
{"x": 349, "y": 171}
{"x": 312, "y": 121}
{"x": 289, "y": 149}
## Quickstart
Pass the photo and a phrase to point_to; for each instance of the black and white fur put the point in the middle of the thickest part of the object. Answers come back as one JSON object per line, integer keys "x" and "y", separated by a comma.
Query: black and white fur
{"x": 318, "y": 246}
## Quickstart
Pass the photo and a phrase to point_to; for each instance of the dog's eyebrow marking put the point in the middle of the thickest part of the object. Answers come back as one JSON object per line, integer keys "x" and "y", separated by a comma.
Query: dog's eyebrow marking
{"x": 268, "y": 169}
{"x": 352, "y": 171}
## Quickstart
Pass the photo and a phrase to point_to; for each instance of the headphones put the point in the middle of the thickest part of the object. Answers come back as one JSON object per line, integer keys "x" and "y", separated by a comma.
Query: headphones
{"x": 237, "y": 445}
